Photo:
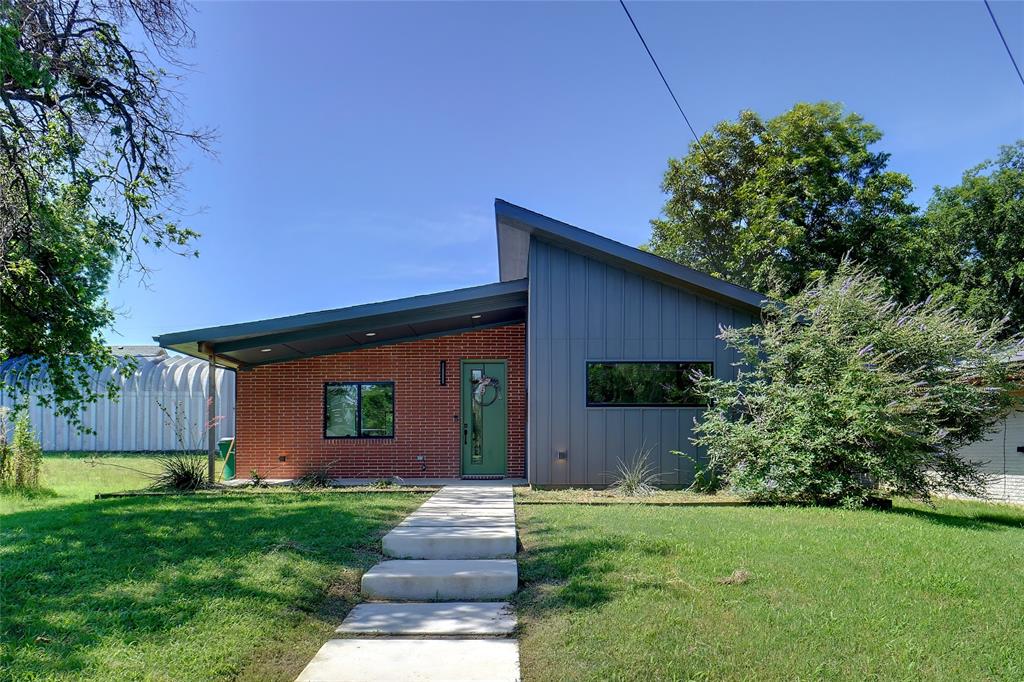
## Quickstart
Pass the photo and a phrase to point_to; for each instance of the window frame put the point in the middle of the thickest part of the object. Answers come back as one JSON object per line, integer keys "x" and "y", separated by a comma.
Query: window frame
{"x": 626, "y": 406}
{"x": 359, "y": 410}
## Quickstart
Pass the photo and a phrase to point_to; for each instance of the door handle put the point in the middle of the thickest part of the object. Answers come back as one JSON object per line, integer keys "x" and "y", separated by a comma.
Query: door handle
{"x": 465, "y": 434}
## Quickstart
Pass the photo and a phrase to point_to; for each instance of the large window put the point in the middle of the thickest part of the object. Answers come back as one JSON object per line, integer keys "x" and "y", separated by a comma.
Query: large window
{"x": 359, "y": 410}
{"x": 656, "y": 384}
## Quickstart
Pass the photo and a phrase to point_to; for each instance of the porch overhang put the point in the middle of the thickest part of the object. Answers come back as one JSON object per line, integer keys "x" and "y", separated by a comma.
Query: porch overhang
{"x": 340, "y": 330}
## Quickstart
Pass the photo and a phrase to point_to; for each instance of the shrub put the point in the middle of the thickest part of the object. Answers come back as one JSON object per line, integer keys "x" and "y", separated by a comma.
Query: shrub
{"x": 843, "y": 393}
{"x": 181, "y": 471}
{"x": 636, "y": 478}
{"x": 6, "y": 451}
{"x": 708, "y": 475}
{"x": 20, "y": 460}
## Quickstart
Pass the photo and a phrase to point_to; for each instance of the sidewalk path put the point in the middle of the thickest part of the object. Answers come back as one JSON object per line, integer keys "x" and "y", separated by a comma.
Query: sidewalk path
{"x": 435, "y": 611}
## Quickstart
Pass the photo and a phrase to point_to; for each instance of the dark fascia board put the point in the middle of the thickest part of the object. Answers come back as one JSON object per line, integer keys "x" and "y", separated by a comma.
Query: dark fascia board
{"x": 308, "y": 325}
{"x": 608, "y": 250}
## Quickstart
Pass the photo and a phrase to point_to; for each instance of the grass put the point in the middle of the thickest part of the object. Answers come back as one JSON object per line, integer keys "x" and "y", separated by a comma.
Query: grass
{"x": 236, "y": 586}
{"x": 627, "y": 591}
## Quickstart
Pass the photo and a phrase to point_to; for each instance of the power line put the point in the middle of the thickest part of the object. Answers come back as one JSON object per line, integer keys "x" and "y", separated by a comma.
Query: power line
{"x": 664, "y": 80}
{"x": 1001, "y": 37}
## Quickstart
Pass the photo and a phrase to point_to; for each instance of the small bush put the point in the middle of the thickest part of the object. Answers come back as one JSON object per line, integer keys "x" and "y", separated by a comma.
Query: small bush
{"x": 319, "y": 477}
{"x": 181, "y": 471}
{"x": 844, "y": 394}
{"x": 20, "y": 460}
{"x": 637, "y": 478}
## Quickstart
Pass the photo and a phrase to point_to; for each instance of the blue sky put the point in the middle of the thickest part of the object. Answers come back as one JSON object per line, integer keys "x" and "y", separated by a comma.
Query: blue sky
{"x": 362, "y": 145}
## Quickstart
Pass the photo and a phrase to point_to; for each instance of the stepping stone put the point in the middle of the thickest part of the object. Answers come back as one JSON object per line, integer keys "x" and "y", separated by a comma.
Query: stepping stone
{"x": 485, "y": 504}
{"x": 445, "y": 495}
{"x": 466, "y": 511}
{"x": 459, "y": 520}
{"x": 450, "y": 542}
{"x": 452, "y": 580}
{"x": 414, "y": 660}
{"x": 432, "y": 618}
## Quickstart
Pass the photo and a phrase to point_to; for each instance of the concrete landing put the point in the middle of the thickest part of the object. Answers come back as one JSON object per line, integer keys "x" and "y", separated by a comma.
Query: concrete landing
{"x": 415, "y": 660}
{"x": 432, "y": 618}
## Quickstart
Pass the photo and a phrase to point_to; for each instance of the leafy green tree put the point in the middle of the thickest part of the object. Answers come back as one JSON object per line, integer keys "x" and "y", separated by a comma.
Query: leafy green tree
{"x": 771, "y": 205}
{"x": 846, "y": 393}
{"x": 975, "y": 233}
{"x": 90, "y": 136}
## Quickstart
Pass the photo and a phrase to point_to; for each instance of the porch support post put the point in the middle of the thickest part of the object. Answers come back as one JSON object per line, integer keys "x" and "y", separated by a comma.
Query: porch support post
{"x": 211, "y": 415}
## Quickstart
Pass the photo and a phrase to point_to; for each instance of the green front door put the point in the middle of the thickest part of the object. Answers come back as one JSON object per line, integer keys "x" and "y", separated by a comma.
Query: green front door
{"x": 484, "y": 417}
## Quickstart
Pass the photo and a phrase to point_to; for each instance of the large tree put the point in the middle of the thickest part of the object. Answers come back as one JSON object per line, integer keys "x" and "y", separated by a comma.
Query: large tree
{"x": 975, "y": 233}
{"x": 772, "y": 204}
{"x": 91, "y": 133}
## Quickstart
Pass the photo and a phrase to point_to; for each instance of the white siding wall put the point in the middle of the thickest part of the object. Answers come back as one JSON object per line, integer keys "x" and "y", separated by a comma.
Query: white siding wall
{"x": 135, "y": 421}
{"x": 1003, "y": 462}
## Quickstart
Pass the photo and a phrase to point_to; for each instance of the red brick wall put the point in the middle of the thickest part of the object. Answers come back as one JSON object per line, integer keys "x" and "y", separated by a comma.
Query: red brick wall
{"x": 279, "y": 408}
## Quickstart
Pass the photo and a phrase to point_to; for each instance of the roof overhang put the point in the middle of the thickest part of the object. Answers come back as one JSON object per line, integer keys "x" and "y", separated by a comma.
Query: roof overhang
{"x": 345, "y": 329}
{"x": 516, "y": 225}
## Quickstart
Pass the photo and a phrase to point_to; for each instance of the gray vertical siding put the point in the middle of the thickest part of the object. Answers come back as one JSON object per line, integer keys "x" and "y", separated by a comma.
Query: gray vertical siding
{"x": 582, "y": 309}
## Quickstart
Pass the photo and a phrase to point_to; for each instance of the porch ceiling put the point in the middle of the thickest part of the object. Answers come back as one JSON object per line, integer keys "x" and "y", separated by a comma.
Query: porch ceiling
{"x": 345, "y": 329}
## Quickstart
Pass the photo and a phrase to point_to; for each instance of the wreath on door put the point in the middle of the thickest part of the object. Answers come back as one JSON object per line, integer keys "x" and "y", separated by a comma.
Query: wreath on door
{"x": 481, "y": 395}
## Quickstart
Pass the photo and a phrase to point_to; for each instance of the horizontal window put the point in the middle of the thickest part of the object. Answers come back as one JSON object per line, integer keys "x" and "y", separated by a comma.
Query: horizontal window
{"x": 654, "y": 384}
{"x": 359, "y": 410}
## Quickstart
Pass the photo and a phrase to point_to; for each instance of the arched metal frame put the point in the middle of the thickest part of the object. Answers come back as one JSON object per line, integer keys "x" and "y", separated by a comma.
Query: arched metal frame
{"x": 135, "y": 422}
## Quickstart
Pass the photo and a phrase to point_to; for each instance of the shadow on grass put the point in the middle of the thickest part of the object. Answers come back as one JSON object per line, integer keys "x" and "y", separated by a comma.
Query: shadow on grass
{"x": 141, "y": 571}
{"x": 989, "y": 520}
{"x": 575, "y": 572}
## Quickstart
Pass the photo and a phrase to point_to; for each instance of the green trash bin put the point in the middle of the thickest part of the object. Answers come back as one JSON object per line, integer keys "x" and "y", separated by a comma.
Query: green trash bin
{"x": 227, "y": 453}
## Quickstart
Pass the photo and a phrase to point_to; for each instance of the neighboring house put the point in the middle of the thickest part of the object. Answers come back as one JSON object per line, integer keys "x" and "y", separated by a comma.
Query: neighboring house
{"x": 579, "y": 358}
{"x": 1002, "y": 452}
{"x": 135, "y": 422}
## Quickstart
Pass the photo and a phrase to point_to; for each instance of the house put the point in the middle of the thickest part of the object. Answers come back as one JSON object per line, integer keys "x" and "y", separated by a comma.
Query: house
{"x": 578, "y": 358}
{"x": 1001, "y": 452}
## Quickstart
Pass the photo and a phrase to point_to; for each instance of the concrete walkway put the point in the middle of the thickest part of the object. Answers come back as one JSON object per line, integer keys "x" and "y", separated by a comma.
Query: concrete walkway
{"x": 435, "y": 611}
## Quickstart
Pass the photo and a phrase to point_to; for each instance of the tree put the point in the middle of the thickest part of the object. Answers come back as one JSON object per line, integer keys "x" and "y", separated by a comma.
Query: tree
{"x": 845, "y": 393}
{"x": 90, "y": 138}
{"x": 771, "y": 205}
{"x": 975, "y": 233}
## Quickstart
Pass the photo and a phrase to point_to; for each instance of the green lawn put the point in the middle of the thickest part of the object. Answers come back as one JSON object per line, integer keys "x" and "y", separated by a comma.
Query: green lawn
{"x": 630, "y": 593}
{"x": 234, "y": 586}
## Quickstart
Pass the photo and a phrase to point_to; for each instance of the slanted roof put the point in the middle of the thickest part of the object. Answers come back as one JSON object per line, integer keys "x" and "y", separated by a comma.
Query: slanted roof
{"x": 345, "y": 329}
{"x": 515, "y": 226}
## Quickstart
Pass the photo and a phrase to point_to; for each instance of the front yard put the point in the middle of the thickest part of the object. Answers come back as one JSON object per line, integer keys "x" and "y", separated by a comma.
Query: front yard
{"x": 248, "y": 585}
{"x": 235, "y": 586}
{"x": 631, "y": 592}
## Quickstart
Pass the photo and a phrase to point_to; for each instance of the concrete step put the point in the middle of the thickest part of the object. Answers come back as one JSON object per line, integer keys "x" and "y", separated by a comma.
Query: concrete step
{"x": 451, "y": 542}
{"x": 477, "y": 504}
{"x": 414, "y": 660}
{"x": 493, "y": 618}
{"x": 441, "y": 579}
